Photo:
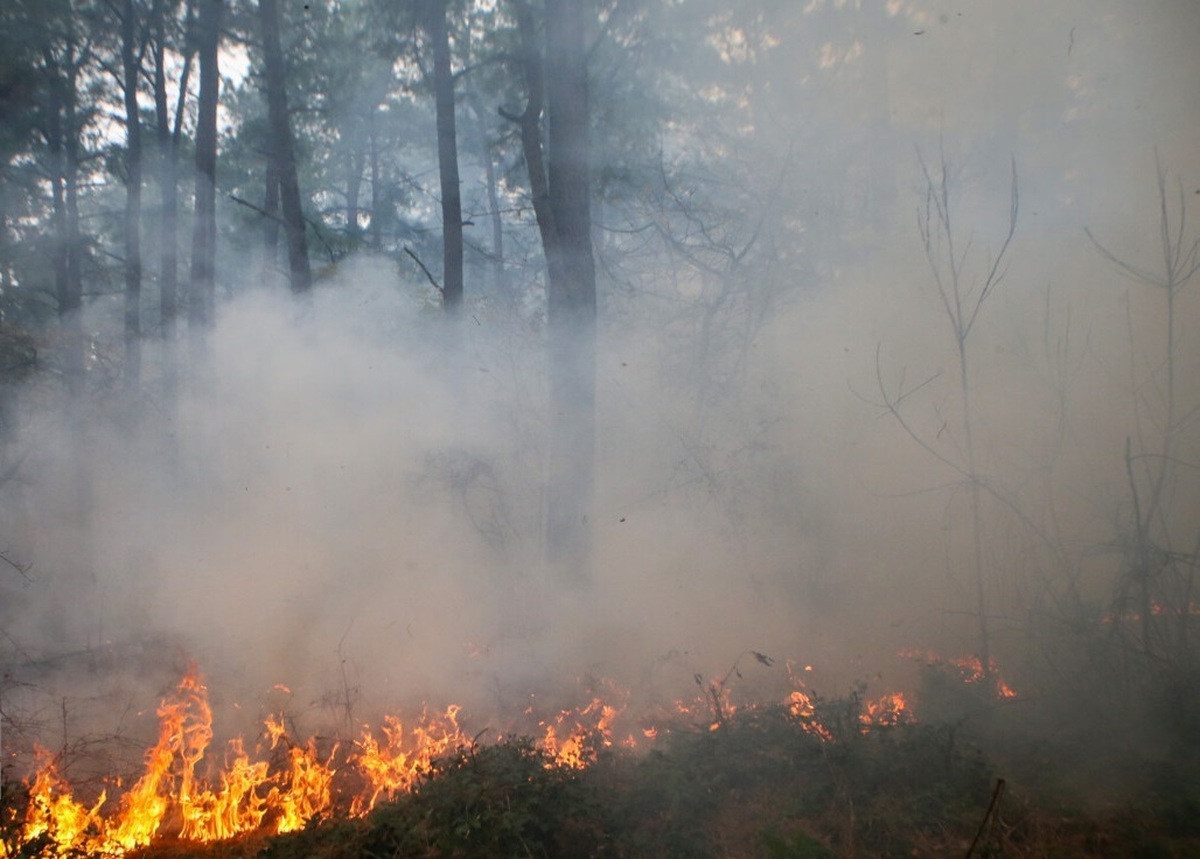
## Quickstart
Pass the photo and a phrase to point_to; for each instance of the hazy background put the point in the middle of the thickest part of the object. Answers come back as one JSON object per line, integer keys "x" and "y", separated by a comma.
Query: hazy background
{"x": 347, "y": 497}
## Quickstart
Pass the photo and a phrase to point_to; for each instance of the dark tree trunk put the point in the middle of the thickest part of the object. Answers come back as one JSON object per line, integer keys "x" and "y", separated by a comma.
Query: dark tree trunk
{"x": 571, "y": 298}
{"x": 376, "y": 195}
{"x": 62, "y": 140}
{"x": 58, "y": 181}
{"x": 168, "y": 176}
{"x": 133, "y": 198}
{"x": 354, "y": 180}
{"x": 529, "y": 124}
{"x": 270, "y": 248}
{"x": 447, "y": 144}
{"x": 282, "y": 148}
{"x": 168, "y": 134}
{"x": 201, "y": 296}
{"x": 561, "y": 194}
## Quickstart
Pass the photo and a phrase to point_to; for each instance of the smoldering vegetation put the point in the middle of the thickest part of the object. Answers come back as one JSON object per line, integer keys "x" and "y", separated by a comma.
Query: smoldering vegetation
{"x": 336, "y": 509}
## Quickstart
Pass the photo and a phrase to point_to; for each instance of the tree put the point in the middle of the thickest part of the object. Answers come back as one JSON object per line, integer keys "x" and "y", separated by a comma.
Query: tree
{"x": 168, "y": 132}
{"x": 204, "y": 231}
{"x": 561, "y": 193}
{"x": 64, "y": 55}
{"x": 962, "y": 298}
{"x": 571, "y": 292}
{"x": 282, "y": 149}
{"x": 1157, "y": 579}
{"x": 447, "y": 146}
{"x": 131, "y": 67}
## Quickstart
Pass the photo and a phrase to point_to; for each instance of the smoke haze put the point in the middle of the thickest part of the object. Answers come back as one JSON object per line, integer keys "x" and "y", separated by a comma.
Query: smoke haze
{"x": 347, "y": 496}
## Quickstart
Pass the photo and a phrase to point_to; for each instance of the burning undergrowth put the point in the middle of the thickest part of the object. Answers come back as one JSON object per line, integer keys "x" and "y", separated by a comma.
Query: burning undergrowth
{"x": 192, "y": 788}
{"x": 720, "y": 770}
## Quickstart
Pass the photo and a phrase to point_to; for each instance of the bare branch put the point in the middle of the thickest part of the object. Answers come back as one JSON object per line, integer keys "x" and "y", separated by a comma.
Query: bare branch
{"x": 22, "y": 569}
{"x": 1131, "y": 271}
{"x": 424, "y": 268}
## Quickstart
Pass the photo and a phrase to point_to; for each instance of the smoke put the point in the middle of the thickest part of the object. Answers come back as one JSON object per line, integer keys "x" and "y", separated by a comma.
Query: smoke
{"x": 345, "y": 498}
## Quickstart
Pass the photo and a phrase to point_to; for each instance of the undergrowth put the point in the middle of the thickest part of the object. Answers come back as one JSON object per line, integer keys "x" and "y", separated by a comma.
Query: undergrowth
{"x": 763, "y": 784}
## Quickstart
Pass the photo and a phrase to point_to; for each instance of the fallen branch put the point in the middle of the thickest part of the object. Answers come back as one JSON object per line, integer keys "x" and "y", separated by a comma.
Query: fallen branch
{"x": 988, "y": 817}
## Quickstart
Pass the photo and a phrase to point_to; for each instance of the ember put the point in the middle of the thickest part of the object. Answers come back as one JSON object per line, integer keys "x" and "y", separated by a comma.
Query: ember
{"x": 969, "y": 669}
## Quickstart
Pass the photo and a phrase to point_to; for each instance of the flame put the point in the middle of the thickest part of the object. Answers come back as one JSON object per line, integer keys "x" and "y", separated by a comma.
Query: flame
{"x": 970, "y": 669}
{"x": 800, "y": 706}
{"x": 395, "y": 765}
{"x": 308, "y": 790}
{"x": 889, "y": 710}
{"x": 283, "y": 784}
{"x": 53, "y": 812}
{"x": 171, "y": 789}
{"x": 213, "y": 815}
{"x": 577, "y": 749}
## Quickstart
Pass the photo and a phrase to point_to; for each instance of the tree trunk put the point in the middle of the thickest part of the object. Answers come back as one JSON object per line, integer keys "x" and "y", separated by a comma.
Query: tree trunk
{"x": 133, "y": 199}
{"x": 62, "y": 140}
{"x": 282, "y": 148}
{"x": 168, "y": 176}
{"x": 529, "y": 124}
{"x": 58, "y": 179}
{"x": 447, "y": 145}
{"x": 168, "y": 134}
{"x": 561, "y": 199}
{"x": 376, "y": 196}
{"x": 571, "y": 298}
{"x": 201, "y": 296}
{"x": 270, "y": 246}
{"x": 500, "y": 284}
{"x": 354, "y": 180}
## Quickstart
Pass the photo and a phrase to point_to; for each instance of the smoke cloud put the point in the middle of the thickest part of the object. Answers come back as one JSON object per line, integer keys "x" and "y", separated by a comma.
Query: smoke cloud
{"x": 346, "y": 497}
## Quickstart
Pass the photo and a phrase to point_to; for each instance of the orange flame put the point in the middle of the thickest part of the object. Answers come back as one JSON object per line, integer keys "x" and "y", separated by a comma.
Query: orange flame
{"x": 970, "y": 669}
{"x": 308, "y": 787}
{"x": 801, "y": 708}
{"x": 53, "y": 812}
{"x": 294, "y": 783}
{"x": 889, "y": 710}
{"x": 592, "y": 729}
{"x": 394, "y": 766}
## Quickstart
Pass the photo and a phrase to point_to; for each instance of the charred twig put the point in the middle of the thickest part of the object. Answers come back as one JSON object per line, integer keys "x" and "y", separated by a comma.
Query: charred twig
{"x": 715, "y": 691}
{"x": 989, "y": 817}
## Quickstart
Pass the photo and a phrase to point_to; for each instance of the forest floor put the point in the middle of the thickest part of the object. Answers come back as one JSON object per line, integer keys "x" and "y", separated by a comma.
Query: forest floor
{"x": 762, "y": 784}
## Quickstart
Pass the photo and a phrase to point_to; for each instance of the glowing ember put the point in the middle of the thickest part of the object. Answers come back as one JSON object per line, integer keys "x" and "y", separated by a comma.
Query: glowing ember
{"x": 800, "y": 706}
{"x": 969, "y": 668}
{"x": 889, "y": 710}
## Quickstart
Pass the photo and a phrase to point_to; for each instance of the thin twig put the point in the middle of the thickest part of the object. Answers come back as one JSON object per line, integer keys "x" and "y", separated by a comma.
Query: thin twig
{"x": 987, "y": 817}
{"x": 425, "y": 269}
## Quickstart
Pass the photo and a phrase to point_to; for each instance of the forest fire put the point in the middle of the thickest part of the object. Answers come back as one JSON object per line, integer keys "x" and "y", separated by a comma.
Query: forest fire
{"x": 284, "y": 784}
{"x": 891, "y": 709}
{"x": 969, "y": 670}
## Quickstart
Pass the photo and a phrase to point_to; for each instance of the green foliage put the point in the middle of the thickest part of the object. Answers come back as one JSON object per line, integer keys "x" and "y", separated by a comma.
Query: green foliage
{"x": 799, "y": 846}
{"x": 493, "y": 801}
